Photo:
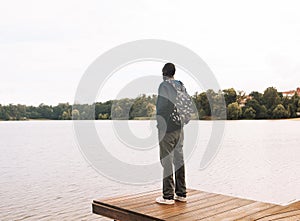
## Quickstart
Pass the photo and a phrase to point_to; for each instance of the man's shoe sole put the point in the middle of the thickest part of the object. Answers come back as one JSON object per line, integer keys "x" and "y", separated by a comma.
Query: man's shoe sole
{"x": 169, "y": 202}
{"x": 180, "y": 200}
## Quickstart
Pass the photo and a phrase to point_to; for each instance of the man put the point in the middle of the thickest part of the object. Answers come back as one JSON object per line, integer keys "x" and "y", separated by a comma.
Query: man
{"x": 170, "y": 139}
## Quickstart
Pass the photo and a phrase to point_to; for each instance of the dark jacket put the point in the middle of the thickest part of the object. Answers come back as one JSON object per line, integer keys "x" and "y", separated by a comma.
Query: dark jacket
{"x": 165, "y": 106}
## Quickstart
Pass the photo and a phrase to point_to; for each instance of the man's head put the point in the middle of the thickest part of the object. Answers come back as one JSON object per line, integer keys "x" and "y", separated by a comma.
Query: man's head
{"x": 168, "y": 70}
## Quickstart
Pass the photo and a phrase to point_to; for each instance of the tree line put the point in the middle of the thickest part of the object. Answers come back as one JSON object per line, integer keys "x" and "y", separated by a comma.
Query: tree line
{"x": 270, "y": 104}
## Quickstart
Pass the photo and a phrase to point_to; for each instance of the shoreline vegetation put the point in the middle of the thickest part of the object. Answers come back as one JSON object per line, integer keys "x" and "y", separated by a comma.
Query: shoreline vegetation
{"x": 234, "y": 105}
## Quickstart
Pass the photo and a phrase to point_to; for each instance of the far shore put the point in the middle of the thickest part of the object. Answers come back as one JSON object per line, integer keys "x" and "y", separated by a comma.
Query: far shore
{"x": 294, "y": 118}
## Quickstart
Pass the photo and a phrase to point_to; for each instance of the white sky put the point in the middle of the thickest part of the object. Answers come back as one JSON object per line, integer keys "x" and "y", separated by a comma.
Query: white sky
{"x": 45, "y": 46}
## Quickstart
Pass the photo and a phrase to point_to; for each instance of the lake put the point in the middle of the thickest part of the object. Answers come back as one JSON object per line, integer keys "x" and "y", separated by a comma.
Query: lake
{"x": 44, "y": 175}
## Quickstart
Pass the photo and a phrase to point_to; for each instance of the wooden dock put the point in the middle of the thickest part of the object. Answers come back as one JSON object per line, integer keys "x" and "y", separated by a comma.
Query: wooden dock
{"x": 200, "y": 206}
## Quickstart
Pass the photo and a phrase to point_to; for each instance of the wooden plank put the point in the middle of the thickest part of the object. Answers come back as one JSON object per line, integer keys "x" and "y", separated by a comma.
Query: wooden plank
{"x": 295, "y": 205}
{"x": 281, "y": 215}
{"x": 191, "y": 197}
{"x": 126, "y": 197}
{"x": 134, "y": 201}
{"x": 240, "y": 211}
{"x": 290, "y": 218}
{"x": 154, "y": 211}
{"x": 150, "y": 200}
{"x": 120, "y": 214}
{"x": 262, "y": 213}
{"x": 208, "y": 210}
{"x": 136, "y": 198}
{"x": 192, "y": 210}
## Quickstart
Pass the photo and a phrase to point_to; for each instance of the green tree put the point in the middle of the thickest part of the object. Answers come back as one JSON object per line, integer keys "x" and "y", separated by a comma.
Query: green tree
{"x": 263, "y": 113}
{"x": 234, "y": 111}
{"x": 292, "y": 110}
{"x": 202, "y": 104}
{"x": 5, "y": 113}
{"x": 249, "y": 113}
{"x": 32, "y": 112}
{"x": 230, "y": 96}
{"x": 280, "y": 112}
{"x": 60, "y": 109}
{"x": 151, "y": 110}
{"x": 298, "y": 106}
{"x": 66, "y": 116}
{"x": 75, "y": 114}
{"x": 1, "y": 112}
{"x": 6, "y": 116}
{"x": 257, "y": 96}
{"x": 139, "y": 107}
{"x": 270, "y": 98}
{"x": 291, "y": 104}
{"x": 201, "y": 113}
{"x": 87, "y": 112}
{"x": 12, "y": 112}
{"x": 260, "y": 110}
{"x": 45, "y": 111}
{"x": 117, "y": 112}
{"x": 103, "y": 116}
{"x": 218, "y": 106}
{"x": 103, "y": 108}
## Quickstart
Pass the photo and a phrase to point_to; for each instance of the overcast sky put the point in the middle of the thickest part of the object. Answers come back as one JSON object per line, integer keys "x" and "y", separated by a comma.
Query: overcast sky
{"x": 45, "y": 46}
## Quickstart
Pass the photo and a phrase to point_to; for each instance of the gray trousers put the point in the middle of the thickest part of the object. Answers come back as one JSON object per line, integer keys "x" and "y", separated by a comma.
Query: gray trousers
{"x": 171, "y": 153}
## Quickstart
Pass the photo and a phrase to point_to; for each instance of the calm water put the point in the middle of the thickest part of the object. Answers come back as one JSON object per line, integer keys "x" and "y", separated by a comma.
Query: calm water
{"x": 43, "y": 175}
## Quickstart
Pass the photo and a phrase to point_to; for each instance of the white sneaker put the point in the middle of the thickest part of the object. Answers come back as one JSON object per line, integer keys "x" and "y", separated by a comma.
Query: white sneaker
{"x": 161, "y": 200}
{"x": 180, "y": 198}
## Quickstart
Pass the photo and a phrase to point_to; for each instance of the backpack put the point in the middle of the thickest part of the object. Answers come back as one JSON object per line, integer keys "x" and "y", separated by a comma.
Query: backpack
{"x": 183, "y": 104}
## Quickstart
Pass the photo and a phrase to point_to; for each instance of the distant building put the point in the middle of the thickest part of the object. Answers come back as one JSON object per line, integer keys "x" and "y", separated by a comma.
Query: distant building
{"x": 242, "y": 102}
{"x": 291, "y": 93}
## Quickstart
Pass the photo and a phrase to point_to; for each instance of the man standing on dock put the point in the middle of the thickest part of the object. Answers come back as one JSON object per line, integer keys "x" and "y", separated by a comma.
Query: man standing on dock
{"x": 170, "y": 137}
